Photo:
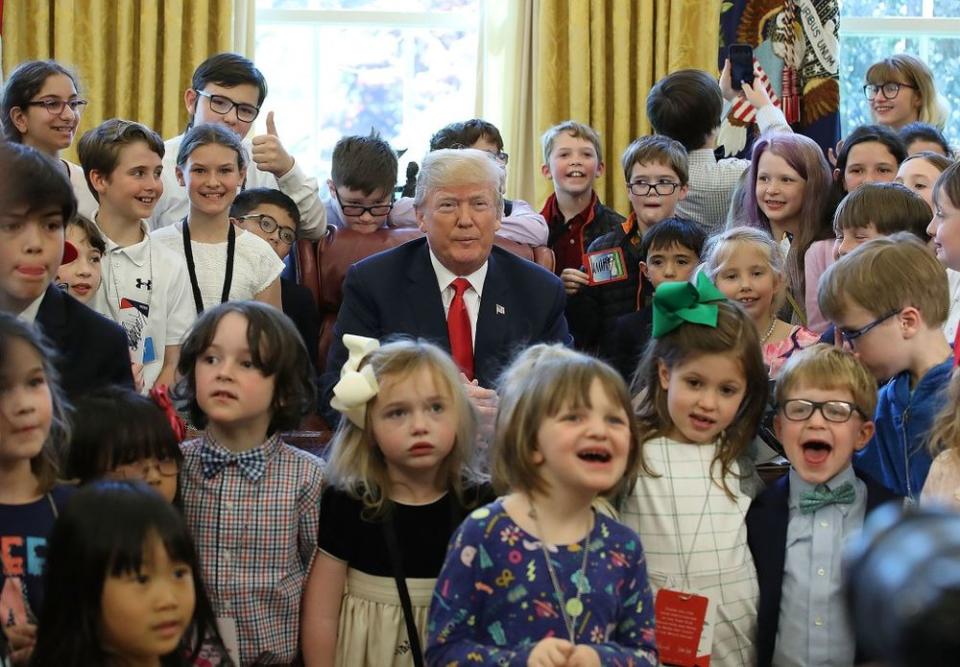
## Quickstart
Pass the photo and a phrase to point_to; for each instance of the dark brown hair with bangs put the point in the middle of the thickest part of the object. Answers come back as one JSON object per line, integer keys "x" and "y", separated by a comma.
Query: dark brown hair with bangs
{"x": 538, "y": 384}
{"x": 276, "y": 349}
{"x": 735, "y": 335}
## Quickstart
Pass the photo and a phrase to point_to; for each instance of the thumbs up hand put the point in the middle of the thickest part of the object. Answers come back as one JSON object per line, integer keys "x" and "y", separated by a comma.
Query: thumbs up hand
{"x": 269, "y": 153}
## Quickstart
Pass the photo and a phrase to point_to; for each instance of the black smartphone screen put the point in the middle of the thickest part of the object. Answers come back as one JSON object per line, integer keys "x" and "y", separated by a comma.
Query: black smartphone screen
{"x": 741, "y": 64}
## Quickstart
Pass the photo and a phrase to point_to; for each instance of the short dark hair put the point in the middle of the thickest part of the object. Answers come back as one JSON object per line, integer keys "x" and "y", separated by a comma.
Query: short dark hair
{"x": 229, "y": 70}
{"x": 465, "y": 134}
{"x": 889, "y": 207}
{"x": 94, "y": 235}
{"x": 99, "y": 148}
{"x": 867, "y": 133}
{"x": 276, "y": 349}
{"x": 23, "y": 83}
{"x": 37, "y": 180}
{"x": 924, "y": 132}
{"x": 686, "y": 106}
{"x": 113, "y": 426}
{"x": 250, "y": 199}
{"x": 673, "y": 231}
{"x": 364, "y": 163}
{"x": 210, "y": 133}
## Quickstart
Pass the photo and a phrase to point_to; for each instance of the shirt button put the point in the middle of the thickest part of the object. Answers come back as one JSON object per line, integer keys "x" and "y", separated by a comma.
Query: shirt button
{"x": 824, "y": 524}
{"x": 572, "y": 241}
{"x": 818, "y": 621}
{"x": 229, "y": 504}
{"x": 821, "y": 572}
{"x": 226, "y": 555}
{"x": 227, "y": 605}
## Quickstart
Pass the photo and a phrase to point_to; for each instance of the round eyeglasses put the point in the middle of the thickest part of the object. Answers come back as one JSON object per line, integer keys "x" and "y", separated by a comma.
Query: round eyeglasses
{"x": 55, "y": 107}
{"x": 800, "y": 409}
{"x": 889, "y": 90}
{"x": 141, "y": 469}
{"x": 663, "y": 188}
{"x": 269, "y": 225}
{"x": 222, "y": 105}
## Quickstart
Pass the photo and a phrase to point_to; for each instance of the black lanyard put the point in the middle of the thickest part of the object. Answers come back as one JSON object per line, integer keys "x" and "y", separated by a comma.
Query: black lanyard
{"x": 192, "y": 269}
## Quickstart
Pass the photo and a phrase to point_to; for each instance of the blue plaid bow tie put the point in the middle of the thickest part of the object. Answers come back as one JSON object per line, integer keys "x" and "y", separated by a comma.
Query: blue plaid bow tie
{"x": 252, "y": 464}
{"x": 821, "y": 496}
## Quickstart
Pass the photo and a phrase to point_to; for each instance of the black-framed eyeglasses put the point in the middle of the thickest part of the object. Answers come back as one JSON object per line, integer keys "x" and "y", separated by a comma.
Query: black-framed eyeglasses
{"x": 140, "y": 469}
{"x": 222, "y": 105}
{"x": 890, "y": 89}
{"x": 838, "y": 412}
{"x": 356, "y": 210}
{"x": 850, "y": 335}
{"x": 663, "y": 188}
{"x": 499, "y": 156}
{"x": 270, "y": 225}
{"x": 55, "y": 107}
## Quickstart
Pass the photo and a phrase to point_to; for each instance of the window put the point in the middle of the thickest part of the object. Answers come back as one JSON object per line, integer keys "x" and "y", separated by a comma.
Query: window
{"x": 873, "y": 29}
{"x": 338, "y": 67}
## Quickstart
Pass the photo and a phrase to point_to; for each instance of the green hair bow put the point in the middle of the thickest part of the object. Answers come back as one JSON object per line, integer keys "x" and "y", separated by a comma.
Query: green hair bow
{"x": 676, "y": 303}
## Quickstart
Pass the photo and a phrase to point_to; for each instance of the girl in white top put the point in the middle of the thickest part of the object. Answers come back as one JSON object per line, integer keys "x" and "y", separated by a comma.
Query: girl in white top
{"x": 703, "y": 388}
{"x": 41, "y": 108}
{"x": 224, "y": 262}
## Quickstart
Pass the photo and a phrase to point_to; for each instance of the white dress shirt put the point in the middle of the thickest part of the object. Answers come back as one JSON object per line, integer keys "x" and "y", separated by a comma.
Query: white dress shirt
{"x": 471, "y": 297}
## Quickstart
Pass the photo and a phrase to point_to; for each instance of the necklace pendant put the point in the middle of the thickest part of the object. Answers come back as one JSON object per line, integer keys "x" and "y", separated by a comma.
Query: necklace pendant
{"x": 574, "y": 607}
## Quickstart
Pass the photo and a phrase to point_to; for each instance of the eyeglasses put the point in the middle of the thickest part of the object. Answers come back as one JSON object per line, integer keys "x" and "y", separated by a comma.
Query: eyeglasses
{"x": 55, "y": 107}
{"x": 140, "y": 469}
{"x": 663, "y": 188}
{"x": 850, "y": 335}
{"x": 222, "y": 105}
{"x": 356, "y": 210}
{"x": 269, "y": 225}
{"x": 499, "y": 156}
{"x": 890, "y": 89}
{"x": 838, "y": 412}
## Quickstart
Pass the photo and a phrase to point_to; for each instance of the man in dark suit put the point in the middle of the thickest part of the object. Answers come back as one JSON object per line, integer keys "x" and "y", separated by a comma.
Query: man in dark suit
{"x": 453, "y": 288}
{"x": 36, "y": 201}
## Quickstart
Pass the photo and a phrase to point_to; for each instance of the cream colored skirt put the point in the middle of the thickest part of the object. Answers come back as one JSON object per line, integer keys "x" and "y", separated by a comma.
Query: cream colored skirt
{"x": 372, "y": 630}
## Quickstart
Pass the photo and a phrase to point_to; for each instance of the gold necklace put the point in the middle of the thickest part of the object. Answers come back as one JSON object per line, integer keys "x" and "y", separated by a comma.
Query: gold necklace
{"x": 773, "y": 325}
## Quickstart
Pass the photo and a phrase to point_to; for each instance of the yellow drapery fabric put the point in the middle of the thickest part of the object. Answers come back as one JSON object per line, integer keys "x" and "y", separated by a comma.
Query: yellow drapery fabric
{"x": 598, "y": 59}
{"x": 134, "y": 58}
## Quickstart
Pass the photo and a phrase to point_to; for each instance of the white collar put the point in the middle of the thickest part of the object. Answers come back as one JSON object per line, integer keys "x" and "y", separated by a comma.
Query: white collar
{"x": 29, "y": 313}
{"x": 445, "y": 276}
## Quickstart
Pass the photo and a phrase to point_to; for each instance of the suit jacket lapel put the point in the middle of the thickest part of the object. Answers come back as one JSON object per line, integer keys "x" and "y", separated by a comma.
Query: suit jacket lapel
{"x": 423, "y": 299}
{"x": 52, "y": 316}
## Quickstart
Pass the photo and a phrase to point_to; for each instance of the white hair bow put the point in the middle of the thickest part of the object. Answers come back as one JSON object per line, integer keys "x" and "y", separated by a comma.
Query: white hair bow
{"x": 356, "y": 387}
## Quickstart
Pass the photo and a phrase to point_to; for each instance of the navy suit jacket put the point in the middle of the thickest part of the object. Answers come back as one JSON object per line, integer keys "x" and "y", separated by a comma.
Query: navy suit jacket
{"x": 767, "y": 522}
{"x": 92, "y": 350}
{"x": 396, "y": 292}
{"x": 299, "y": 306}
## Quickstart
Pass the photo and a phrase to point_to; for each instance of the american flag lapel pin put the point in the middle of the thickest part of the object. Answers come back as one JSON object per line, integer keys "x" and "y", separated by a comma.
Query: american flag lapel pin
{"x": 501, "y": 310}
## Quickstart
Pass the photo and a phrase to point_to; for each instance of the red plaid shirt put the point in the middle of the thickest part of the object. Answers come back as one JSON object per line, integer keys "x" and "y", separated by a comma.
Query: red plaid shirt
{"x": 256, "y": 541}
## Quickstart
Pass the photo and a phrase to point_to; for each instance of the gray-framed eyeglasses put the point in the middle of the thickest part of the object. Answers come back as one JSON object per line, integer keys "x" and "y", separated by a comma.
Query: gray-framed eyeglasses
{"x": 851, "y": 335}
{"x": 663, "y": 188}
{"x": 55, "y": 107}
{"x": 269, "y": 225}
{"x": 838, "y": 412}
{"x": 222, "y": 105}
{"x": 889, "y": 90}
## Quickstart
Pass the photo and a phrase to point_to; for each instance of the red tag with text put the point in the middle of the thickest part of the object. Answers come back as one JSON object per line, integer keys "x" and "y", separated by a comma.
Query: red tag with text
{"x": 680, "y": 620}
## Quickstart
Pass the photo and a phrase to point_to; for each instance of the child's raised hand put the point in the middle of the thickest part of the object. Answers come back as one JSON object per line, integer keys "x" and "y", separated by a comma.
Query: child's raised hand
{"x": 573, "y": 280}
{"x": 583, "y": 656}
{"x": 269, "y": 153}
{"x": 756, "y": 93}
{"x": 726, "y": 86}
{"x": 550, "y": 652}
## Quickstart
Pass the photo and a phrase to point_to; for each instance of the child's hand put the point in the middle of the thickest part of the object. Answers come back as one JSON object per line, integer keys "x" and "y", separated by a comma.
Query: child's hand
{"x": 726, "y": 87}
{"x": 137, "y": 371}
{"x": 486, "y": 401}
{"x": 21, "y": 639}
{"x": 269, "y": 153}
{"x": 832, "y": 154}
{"x": 756, "y": 93}
{"x": 584, "y": 656}
{"x": 573, "y": 280}
{"x": 550, "y": 652}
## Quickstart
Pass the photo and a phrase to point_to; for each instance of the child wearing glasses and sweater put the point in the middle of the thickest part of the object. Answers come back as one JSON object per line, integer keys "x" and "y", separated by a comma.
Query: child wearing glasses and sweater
{"x": 888, "y": 300}
{"x": 797, "y": 527}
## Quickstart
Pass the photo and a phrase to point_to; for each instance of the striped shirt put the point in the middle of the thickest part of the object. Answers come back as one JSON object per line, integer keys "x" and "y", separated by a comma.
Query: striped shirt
{"x": 256, "y": 541}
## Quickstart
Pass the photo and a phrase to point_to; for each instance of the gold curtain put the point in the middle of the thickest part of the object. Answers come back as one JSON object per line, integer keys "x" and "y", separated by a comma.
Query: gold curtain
{"x": 598, "y": 59}
{"x": 134, "y": 58}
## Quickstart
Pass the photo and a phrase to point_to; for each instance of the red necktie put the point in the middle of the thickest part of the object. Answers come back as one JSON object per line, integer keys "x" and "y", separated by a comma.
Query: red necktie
{"x": 458, "y": 328}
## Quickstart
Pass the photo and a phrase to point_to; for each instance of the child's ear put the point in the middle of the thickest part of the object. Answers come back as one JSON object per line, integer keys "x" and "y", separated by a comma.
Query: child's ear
{"x": 643, "y": 270}
{"x": 545, "y": 170}
{"x": 179, "y": 173}
{"x": 683, "y": 192}
{"x": 664, "y": 373}
{"x": 836, "y": 175}
{"x": 911, "y": 322}
{"x": 98, "y": 181}
{"x": 190, "y": 97}
{"x": 332, "y": 187}
{"x": 601, "y": 167}
{"x": 536, "y": 457}
{"x": 864, "y": 435}
{"x": 19, "y": 119}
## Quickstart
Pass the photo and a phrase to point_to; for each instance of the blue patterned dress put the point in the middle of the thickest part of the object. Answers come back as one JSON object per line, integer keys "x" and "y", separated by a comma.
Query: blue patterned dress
{"x": 495, "y": 599}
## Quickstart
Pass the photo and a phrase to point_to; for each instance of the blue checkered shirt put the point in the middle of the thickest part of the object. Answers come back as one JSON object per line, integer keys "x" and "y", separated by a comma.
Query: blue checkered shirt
{"x": 256, "y": 540}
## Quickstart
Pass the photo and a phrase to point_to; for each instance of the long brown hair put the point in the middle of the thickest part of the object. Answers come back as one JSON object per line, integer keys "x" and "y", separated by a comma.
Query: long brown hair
{"x": 736, "y": 335}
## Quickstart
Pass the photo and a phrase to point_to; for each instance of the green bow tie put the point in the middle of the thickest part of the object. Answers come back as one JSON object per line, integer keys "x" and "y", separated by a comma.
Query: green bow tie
{"x": 676, "y": 303}
{"x": 821, "y": 496}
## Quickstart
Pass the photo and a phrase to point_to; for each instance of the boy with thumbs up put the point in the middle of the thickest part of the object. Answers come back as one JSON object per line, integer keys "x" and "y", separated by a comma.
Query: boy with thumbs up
{"x": 228, "y": 89}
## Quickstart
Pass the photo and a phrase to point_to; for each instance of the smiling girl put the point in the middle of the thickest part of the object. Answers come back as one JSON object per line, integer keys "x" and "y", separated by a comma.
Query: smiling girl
{"x": 900, "y": 90}
{"x": 41, "y": 108}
